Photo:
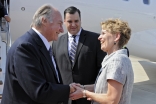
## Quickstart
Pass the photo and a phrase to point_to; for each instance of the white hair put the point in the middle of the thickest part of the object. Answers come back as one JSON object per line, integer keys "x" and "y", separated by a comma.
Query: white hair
{"x": 44, "y": 11}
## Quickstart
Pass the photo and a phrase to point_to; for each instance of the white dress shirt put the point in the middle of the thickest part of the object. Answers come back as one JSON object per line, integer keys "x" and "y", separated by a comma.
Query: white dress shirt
{"x": 70, "y": 38}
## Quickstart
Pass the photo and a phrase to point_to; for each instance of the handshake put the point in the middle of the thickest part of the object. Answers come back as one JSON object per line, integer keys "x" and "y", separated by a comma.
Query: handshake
{"x": 78, "y": 91}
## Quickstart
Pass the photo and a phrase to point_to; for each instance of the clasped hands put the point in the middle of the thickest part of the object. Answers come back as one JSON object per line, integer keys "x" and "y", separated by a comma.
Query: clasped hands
{"x": 77, "y": 91}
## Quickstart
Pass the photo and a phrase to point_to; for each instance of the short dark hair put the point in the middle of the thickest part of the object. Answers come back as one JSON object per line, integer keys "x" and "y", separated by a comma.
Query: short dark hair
{"x": 71, "y": 10}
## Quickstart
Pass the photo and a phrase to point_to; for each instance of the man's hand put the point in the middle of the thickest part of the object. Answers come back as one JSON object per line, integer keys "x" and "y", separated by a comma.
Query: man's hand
{"x": 78, "y": 92}
{"x": 7, "y": 18}
{"x": 72, "y": 89}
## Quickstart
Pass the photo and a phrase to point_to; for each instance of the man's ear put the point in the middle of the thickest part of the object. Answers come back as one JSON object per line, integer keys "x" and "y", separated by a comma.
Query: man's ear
{"x": 44, "y": 21}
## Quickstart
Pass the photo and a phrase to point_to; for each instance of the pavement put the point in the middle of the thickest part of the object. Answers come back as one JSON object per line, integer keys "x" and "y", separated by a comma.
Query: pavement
{"x": 144, "y": 89}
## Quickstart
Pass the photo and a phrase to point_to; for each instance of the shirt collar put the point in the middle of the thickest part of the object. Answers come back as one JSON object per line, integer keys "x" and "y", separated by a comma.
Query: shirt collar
{"x": 121, "y": 51}
{"x": 45, "y": 41}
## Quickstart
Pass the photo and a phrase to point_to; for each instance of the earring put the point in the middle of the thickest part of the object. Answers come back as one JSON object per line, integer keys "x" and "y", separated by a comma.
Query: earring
{"x": 114, "y": 43}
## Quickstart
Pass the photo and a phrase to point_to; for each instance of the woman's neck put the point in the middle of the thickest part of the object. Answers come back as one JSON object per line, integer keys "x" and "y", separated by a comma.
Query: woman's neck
{"x": 113, "y": 49}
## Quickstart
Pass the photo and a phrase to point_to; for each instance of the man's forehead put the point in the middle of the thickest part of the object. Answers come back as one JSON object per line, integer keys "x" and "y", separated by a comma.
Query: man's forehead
{"x": 71, "y": 19}
{"x": 58, "y": 16}
{"x": 75, "y": 15}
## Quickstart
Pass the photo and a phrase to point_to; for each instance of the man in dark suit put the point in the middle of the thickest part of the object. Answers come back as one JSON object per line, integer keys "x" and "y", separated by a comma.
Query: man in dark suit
{"x": 31, "y": 73}
{"x": 3, "y": 13}
{"x": 83, "y": 65}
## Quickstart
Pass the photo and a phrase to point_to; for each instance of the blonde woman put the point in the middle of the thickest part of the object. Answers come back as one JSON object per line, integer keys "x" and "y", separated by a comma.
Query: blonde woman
{"x": 114, "y": 82}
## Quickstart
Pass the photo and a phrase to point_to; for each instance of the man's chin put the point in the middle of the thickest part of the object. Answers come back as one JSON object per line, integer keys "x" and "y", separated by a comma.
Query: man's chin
{"x": 56, "y": 39}
{"x": 73, "y": 33}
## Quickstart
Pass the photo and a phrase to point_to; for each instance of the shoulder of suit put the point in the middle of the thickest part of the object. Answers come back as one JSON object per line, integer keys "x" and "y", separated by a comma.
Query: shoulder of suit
{"x": 60, "y": 38}
{"x": 26, "y": 38}
{"x": 91, "y": 33}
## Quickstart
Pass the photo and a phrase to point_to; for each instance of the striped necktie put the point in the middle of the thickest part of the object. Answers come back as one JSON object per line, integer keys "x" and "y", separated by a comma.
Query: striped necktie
{"x": 73, "y": 49}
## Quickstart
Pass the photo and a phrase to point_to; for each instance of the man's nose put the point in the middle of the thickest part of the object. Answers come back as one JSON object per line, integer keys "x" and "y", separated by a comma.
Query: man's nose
{"x": 61, "y": 29}
{"x": 73, "y": 24}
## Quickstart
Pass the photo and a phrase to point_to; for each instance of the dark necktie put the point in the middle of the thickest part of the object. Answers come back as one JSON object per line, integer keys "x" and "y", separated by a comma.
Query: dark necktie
{"x": 53, "y": 61}
{"x": 73, "y": 49}
{"x": 50, "y": 52}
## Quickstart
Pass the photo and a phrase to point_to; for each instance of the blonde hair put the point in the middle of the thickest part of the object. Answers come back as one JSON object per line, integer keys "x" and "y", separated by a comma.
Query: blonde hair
{"x": 114, "y": 26}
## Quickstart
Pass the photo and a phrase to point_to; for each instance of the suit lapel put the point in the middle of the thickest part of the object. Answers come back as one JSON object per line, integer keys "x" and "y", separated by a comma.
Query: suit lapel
{"x": 60, "y": 78}
{"x": 48, "y": 58}
{"x": 43, "y": 50}
{"x": 65, "y": 42}
{"x": 82, "y": 39}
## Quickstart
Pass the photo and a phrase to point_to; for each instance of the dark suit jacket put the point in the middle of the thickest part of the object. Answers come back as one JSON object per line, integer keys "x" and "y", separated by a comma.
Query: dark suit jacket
{"x": 2, "y": 10}
{"x": 30, "y": 76}
{"x": 87, "y": 60}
